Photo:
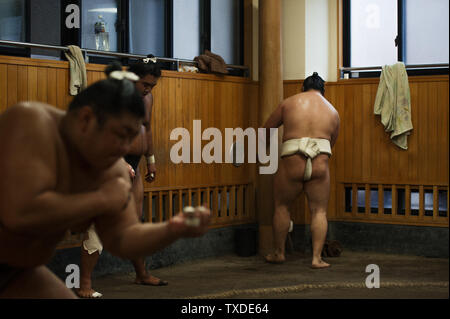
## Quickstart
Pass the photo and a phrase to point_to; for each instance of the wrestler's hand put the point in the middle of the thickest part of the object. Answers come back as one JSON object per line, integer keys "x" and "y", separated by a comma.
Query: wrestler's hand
{"x": 116, "y": 193}
{"x": 178, "y": 225}
{"x": 131, "y": 171}
{"x": 151, "y": 173}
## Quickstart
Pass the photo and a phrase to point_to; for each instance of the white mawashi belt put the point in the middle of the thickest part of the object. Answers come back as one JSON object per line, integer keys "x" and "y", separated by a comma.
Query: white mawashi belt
{"x": 310, "y": 147}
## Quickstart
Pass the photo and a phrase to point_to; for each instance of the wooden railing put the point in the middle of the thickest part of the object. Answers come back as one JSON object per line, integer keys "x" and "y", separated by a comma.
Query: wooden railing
{"x": 424, "y": 205}
{"x": 229, "y": 204}
{"x": 232, "y": 204}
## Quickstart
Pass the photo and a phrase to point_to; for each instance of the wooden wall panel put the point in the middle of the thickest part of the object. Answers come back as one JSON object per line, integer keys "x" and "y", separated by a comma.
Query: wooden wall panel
{"x": 220, "y": 104}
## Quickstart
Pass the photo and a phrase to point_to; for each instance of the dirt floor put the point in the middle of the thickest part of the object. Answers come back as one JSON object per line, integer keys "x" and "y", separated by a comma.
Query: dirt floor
{"x": 233, "y": 277}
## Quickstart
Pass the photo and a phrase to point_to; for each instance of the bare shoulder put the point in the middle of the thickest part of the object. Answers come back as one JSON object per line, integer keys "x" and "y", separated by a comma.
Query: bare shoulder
{"x": 118, "y": 169}
{"x": 290, "y": 101}
{"x": 31, "y": 113}
{"x": 148, "y": 99}
{"x": 30, "y": 120}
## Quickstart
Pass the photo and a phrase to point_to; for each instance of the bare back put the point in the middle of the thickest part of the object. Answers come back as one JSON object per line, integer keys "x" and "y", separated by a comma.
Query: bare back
{"x": 306, "y": 114}
{"x": 309, "y": 114}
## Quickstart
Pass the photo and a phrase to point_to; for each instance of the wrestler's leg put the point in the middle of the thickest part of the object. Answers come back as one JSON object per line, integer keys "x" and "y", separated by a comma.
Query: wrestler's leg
{"x": 142, "y": 277}
{"x": 37, "y": 283}
{"x": 287, "y": 186}
{"x": 88, "y": 262}
{"x": 318, "y": 193}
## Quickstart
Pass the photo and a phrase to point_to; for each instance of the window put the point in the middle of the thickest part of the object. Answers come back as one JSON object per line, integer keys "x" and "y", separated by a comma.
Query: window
{"x": 165, "y": 28}
{"x": 147, "y": 27}
{"x": 98, "y": 27}
{"x": 12, "y": 20}
{"x": 13, "y": 26}
{"x": 186, "y": 29}
{"x": 427, "y": 41}
{"x": 45, "y": 27}
{"x": 225, "y": 30}
{"x": 31, "y": 21}
{"x": 382, "y": 32}
{"x": 373, "y": 31}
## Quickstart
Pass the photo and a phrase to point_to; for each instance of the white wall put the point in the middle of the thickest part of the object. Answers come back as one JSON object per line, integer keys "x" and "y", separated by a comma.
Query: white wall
{"x": 294, "y": 37}
{"x": 316, "y": 38}
{"x": 309, "y": 31}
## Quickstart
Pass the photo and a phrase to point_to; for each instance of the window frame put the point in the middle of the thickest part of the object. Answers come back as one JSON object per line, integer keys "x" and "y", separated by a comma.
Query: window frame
{"x": 400, "y": 43}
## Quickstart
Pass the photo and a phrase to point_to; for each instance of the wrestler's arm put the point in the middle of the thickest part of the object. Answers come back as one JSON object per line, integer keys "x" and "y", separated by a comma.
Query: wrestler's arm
{"x": 29, "y": 203}
{"x": 124, "y": 236}
{"x": 336, "y": 131}
{"x": 148, "y": 101}
{"x": 151, "y": 167}
{"x": 274, "y": 121}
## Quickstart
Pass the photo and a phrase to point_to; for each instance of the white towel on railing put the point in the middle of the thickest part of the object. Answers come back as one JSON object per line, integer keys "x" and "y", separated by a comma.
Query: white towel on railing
{"x": 393, "y": 103}
{"x": 78, "y": 77}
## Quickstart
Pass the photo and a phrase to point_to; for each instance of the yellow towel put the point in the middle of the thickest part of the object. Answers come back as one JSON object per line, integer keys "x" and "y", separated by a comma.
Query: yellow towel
{"x": 78, "y": 77}
{"x": 393, "y": 103}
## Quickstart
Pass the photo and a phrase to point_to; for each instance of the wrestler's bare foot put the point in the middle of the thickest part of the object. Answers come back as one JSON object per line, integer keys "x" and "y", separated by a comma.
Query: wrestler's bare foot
{"x": 87, "y": 293}
{"x": 275, "y": 258}
{"x": 319, "y": 264}
{"x": 150, "y": 281}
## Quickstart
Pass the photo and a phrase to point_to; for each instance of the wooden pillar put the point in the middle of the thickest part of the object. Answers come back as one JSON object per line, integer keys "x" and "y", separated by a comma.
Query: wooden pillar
{"x": 270, "y": 95}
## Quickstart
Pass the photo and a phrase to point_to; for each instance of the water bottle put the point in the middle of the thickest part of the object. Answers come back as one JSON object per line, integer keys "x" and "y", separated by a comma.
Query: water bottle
{"x": 101, "y": 36}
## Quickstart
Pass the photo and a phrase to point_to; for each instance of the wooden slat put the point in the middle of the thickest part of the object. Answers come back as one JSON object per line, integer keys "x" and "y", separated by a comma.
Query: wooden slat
{"x": 367, "y": 200}
{"x": 407, "y": 201}
{"x": 208, "y": 199}
{"x": 380, "y": 201}
{"x": 170, "y": 212}
{"x": 247, "y": 208}
{"x": 354, "y": 200}
{"x": 32, "y": 84}
{"x": 42, "y": 82}
{"x": 12, "y": 85}
{"x": 240, "y": 203}
{"x": 51, "y": 87}
{"x": 199, "y": 197}
{"x": 61, "y": 89}
{"x": 394, "y": 201}
{"x": 224, "y": 204}
{"x": 232, "y": 194}
{"x": 215, "y": 213}
{"x": 348, "y": 135}
{"x": 3, "y": 87}
{"x": 435, "y": 202}
{"x": 190, "y": 197}
{"x": 421, "y": 202}
{"x": 149, "y": 211}
{"x": 180, "y": 200}
{"x": 22, "y": 81}
{"x": 160, "y": 212}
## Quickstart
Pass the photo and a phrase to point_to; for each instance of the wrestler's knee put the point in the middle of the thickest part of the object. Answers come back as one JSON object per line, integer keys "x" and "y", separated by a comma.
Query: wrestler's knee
{"x": 318, "y": 211}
